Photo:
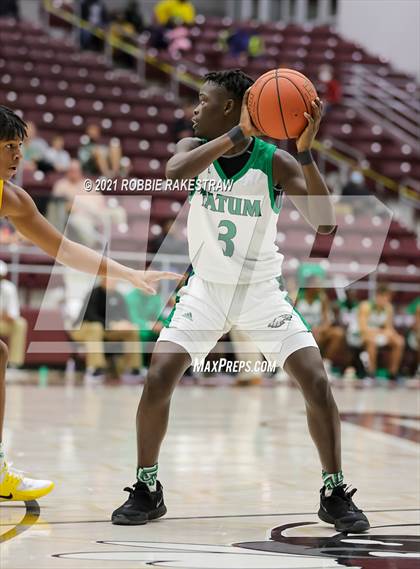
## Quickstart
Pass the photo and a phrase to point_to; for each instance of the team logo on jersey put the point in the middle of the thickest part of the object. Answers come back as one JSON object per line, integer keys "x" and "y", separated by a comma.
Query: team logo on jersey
{"x": 279, "y": 320}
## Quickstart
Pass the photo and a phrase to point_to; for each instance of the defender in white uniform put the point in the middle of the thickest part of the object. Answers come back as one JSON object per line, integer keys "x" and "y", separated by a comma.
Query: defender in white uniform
{"x": 231, "y": 237}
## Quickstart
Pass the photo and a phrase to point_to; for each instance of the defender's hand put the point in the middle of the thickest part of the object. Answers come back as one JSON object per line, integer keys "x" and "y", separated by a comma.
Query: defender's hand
{"x": 144, "y": 280}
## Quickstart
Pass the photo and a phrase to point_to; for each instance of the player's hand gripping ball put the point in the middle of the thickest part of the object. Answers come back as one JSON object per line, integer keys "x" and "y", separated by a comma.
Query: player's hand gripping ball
{"x": 278, "y": 101}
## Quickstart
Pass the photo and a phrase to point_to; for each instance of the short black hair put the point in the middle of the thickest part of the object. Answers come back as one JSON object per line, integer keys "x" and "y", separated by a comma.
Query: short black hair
{"x": 11, "y": 125}
{"x": 235, "y": 81}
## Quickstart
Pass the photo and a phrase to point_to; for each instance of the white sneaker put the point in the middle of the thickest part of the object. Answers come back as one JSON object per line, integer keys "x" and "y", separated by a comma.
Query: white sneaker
{"x": 14, "y": 487}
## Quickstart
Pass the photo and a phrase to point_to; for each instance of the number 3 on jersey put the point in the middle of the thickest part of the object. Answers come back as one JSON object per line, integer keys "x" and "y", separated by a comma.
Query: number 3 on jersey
{"x": 227, "y": 237}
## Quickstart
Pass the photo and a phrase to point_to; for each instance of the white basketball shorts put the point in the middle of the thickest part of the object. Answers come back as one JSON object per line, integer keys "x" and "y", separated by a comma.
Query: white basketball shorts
{"x": 205, "y": 311}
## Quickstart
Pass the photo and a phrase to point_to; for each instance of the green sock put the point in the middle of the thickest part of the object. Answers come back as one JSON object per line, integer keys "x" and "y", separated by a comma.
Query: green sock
{"x": 332, "y": 480}
{"x": 148, "y": 475}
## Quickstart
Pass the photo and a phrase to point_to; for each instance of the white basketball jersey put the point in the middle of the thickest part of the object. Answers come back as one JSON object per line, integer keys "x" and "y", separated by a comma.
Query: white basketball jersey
{"x": 232, "y": 232}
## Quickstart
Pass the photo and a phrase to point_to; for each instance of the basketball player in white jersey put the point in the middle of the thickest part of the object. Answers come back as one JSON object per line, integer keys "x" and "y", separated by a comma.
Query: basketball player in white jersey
{"x": 19, "y": 208}
{"x": 235, "y": 284}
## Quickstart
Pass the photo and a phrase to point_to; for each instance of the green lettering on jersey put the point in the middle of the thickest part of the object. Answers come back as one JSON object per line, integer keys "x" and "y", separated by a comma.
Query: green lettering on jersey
{"x": 210, "y": 204}
{"x": 221, "y": 203}
{"x": 234, "y": 205}
{"x": 227, "y": 237}
{"x": 252, "y": 208}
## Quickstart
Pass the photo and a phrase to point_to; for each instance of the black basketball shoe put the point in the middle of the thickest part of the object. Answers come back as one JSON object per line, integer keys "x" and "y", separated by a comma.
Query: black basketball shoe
{"x": 340, "y": 510}
{"x": 142, "y": 506}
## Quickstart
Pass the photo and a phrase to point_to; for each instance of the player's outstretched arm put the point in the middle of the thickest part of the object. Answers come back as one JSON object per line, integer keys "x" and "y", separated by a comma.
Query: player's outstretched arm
{"x": 19, "y": 207}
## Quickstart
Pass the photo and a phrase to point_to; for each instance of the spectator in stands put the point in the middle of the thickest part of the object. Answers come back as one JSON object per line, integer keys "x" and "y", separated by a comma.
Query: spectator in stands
{"x": 12, "y": 325}
{"x": 134, "y": 16}
{"x": 354, "y": 191}
{"x": 413, "y": 339}
{"x": 377, "y": 331}
{"x": 183, "y": 126}
{"x": 238, "y": 44}
{"x": 34, "y": 150}
{"x": 330, "y": 87}
{"x": 88, "y": 210}
{"x": 178, "y": 39}
{"x": 121, "y": 30}
{"x": 348, "y": 317}
{"x": 104, "y": 317}
{"x": 94, "y": 12}
{"x": 178, "y": 11}
{"x": 314, "y": 306}
{"x": 97, "y": 158}
{"x": 56, "y": 156}
{"x": 256, "y": 46}
{"x": 9, "y": 9}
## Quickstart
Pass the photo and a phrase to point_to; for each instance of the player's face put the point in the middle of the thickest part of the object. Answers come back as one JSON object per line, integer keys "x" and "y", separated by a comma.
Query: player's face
{"x": 10, "y": 156}
{"x": 209, "y": 116}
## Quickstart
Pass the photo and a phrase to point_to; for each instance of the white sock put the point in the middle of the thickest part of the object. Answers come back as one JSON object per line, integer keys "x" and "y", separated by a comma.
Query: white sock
{"x": 2, "y": 457}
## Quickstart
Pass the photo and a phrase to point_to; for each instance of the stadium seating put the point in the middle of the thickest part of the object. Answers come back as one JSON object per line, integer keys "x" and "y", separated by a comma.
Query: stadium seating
{"x": 63, "y": 90}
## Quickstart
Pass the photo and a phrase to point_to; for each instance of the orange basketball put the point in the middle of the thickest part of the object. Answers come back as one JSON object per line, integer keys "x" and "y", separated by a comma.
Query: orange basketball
{"x": 277, "y": 101}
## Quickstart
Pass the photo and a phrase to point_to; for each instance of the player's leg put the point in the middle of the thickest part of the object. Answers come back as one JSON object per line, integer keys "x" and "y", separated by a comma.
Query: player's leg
{"x": 13, "y": 486}
{"x": 168, "y": 364}
{"x": 306, "y": 367}
{"x": 288, "y": 340}
{"x": 3, "y": 366}
{"x": 336, "y": 506}
{"x": 193, "y": 328}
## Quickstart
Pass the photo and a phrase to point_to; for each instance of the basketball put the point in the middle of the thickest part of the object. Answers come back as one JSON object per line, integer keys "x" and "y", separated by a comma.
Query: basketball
{"x": 277, "y": 102}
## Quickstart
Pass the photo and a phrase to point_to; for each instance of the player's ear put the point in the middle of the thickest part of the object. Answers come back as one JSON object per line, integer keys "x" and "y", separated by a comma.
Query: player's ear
{"x": 229, "y": 105}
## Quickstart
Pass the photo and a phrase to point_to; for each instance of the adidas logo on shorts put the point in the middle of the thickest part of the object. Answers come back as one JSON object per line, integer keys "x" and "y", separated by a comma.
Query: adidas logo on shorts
{"x": 188, "y": 315}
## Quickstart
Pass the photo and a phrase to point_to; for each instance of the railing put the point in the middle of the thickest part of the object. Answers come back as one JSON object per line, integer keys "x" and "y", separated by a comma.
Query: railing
{"x": 344, "y": 159}
{"x": 172, "y": 262}
{"x": 397, "y": 114}
{"x": 136, "y": 51}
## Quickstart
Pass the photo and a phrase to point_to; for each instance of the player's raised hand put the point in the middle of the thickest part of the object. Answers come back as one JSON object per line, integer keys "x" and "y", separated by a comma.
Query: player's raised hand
{"x": 305, "y": 140}
{"x": 144, "y": 280}
{"x": 245, "y": 121}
